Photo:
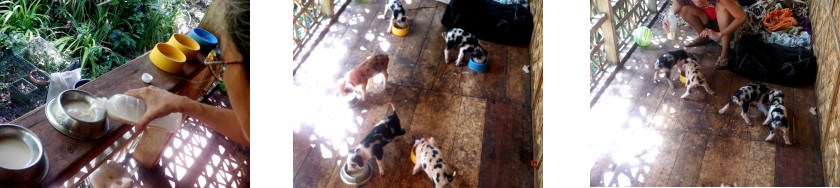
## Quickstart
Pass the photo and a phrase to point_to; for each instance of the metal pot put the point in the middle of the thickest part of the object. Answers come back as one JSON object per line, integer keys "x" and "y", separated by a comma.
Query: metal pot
{"x": 35, "y": 164}
{"x": 356, "y": 178}
{"x": 72, "y": 126}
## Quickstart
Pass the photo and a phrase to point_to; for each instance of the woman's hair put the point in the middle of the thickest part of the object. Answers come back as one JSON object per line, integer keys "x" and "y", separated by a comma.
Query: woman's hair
{"x": 231, "y": 18}
{"x": 239, "y": 27}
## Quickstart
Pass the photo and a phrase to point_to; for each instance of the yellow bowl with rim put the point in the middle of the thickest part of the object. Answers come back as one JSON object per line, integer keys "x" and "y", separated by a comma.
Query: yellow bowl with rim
{"x": 682, "y": 77}
{"x": 413, "y": 157}
{"x": 167, "y": 58}
{"x": 398, "y": 31}
{"x": 185, "y": 44}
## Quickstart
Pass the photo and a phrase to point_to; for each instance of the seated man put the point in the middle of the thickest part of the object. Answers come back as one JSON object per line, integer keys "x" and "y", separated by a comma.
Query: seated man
{"x": 713, "y": 20}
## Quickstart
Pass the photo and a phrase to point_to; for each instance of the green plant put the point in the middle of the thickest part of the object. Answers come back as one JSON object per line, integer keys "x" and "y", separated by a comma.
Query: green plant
{"x": 27, "y": 17}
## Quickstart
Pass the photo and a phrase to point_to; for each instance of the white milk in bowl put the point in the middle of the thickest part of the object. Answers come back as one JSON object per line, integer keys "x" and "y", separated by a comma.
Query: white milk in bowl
{"x": 16, "y": 154}
{"x": 80, "y": 110}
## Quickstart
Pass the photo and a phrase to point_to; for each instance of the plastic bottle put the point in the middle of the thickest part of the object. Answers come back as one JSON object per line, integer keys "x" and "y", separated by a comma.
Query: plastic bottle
{"x": 672, "y": 26}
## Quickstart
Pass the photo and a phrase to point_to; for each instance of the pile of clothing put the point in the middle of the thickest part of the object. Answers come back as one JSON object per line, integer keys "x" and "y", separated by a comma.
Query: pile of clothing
{"x": 784, "y": 26}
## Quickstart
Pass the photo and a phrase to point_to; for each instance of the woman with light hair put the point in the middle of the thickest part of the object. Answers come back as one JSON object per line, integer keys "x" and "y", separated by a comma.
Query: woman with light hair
{"x": 229, "y": 21}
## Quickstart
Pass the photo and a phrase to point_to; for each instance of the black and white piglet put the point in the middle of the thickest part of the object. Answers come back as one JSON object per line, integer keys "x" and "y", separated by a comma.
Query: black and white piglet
{"x": 776, "y": 115}
{"x": 694, "y": 77}
{"x": 398, "y": 14}
{"x": 667, "y": 61}
{"x": 372, "y": 145}
{"x": 429, "y": 158}
{"x": 466, "y": 42}
{"x": 745, "y": 96}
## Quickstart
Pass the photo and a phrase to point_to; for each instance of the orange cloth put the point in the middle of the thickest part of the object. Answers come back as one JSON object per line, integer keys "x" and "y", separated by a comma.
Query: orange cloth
{"x": 779, "y": 19}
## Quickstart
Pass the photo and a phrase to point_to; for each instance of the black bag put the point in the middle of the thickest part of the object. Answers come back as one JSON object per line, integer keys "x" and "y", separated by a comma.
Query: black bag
{"x": 774, "y": 63}
{"x": 489, "y": 20}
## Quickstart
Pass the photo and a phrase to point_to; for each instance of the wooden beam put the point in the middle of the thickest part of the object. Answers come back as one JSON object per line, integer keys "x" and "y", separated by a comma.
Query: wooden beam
{"x": 608, "y": 28}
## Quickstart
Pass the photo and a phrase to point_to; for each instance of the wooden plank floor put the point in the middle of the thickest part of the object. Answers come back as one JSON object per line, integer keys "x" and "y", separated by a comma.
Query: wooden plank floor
{"x": 481, "y": 121}
{"x": 651, "y": 137}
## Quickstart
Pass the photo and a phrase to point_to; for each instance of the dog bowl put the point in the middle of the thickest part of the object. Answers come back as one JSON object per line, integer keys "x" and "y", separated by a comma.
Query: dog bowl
{"x": 682, "y": 77}
{"x": 413, "y": 156}
{"x": 479, "y": 67}
{"x": 204, "y": 39}
{"x": 185, "y": 44}
{"x": 167, "y": 58}
{"x": 24, "y": 162}
{"x": 69, "y": 113}
{"x": 399, "y": 32}
{"x": 81, "y": 82}
{"x": 352, "y": 99}
{"x": 356, "y": 178}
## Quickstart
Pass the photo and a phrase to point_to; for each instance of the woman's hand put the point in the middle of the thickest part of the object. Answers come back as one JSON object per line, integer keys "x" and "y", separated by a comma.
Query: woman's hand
{"x": 710, "y": 33}
{"x": 159, "y": 103}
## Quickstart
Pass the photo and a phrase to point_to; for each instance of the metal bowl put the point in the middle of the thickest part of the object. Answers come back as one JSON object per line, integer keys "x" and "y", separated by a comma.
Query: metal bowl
{"x": 73, "y": 126}
{"x": 26, "y": 161}
{"x": 356, "y": 178}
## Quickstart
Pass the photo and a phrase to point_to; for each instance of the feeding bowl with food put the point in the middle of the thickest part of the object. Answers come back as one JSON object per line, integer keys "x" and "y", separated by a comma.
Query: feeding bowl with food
{"x": 479, "y": 67}
{"x": 204, "y": 38}
{"x": 682, "y": 77}
{"x": 167, "y": 58}
{"x": 23, "y": 161}
{"x": 185, "y": 44}
{"x": 357, "y": 178}
{"x": 72, "y": 113}
{"x": 396, "y": 30}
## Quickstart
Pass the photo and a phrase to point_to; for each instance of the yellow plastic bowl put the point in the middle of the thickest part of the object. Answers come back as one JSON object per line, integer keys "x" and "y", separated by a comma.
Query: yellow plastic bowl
{"x": 167, "y": 58}
{"x": 413, "y": 157}
{"x": 682, "y": 77}
{"x": 398, "y": 31}
{"x": 185, "y": 44}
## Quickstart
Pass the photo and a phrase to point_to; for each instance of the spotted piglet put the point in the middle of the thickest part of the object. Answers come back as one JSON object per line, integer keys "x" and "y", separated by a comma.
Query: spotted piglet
{"x": 465, "y": 42}
{"x": 398, "y": 13}
{"x": 429, "y": 158}
{"x": 374, "y": 143}
{"x": 776, "y": 115}
{"x": 358, "y": 77}
{"x": 745, "y": 96}
{"x": 667, "y": 61}
{"x": 694, "y": 77}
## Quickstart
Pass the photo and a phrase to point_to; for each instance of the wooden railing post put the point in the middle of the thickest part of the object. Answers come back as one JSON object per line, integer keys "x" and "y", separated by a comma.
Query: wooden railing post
{"x": 327, "y": 8}
{"x": 651, "y": 6}
{"x": 608, "y": 29}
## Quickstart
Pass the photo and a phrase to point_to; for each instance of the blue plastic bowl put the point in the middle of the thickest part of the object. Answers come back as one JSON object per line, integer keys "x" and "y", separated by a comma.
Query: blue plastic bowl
{"x": 759, "y": 108}
{"x": 81, "y": 82}
{"x": 205, "y": 39}
{"x": 479, "y": 67}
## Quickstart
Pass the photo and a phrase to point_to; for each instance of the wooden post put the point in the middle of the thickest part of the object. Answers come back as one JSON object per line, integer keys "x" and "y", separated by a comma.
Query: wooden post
{"x": 608, "y": 28}
{"x": 652, "y": 6}
{"x": 326, "y": 8}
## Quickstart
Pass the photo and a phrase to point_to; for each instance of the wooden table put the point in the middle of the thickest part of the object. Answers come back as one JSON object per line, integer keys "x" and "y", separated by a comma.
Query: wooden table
{"x": 67, "y": 155}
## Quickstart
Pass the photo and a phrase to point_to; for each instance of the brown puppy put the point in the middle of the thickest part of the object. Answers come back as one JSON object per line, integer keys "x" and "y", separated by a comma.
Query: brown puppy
{"x": 359, "y": 76}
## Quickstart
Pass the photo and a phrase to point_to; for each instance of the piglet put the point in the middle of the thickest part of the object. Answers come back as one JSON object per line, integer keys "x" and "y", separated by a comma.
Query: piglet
{"x": 429, "y": 158}
{"x": 374, "y": 143}
{"x": 776, "y": 115}
{"x": 358, "y": 77}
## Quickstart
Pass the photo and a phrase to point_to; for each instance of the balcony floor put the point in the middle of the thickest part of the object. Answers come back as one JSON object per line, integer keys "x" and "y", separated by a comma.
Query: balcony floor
{"x": 481, "y": 121}
{"x": 653, "y": 138}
